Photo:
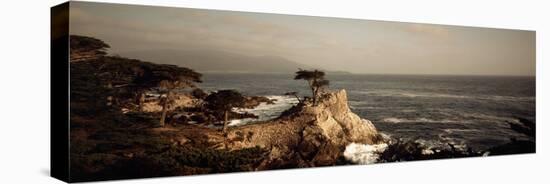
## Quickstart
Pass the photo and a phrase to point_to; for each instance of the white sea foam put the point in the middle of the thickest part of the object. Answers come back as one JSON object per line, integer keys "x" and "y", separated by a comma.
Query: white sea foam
{"x": 410, "y": 94}
{"x": 442, "y": 143}
{"x": 237, "y": 122}
{"x": 467, "y": 118}
{"x": 265, "y": 111}
{"x": 364, "y": 153}
{"x": 491, "y": 117}
{"x": 453, "y": 130}
{"x": 421, "y": 120}
{"x": 427, "y": 152}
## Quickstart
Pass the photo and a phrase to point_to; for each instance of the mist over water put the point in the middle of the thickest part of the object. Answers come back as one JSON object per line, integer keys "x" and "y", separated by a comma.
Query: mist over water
{"x": 471, "y": 110}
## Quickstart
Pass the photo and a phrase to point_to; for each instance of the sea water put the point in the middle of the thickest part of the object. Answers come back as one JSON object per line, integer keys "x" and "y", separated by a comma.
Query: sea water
{"x": 435, "y": 110}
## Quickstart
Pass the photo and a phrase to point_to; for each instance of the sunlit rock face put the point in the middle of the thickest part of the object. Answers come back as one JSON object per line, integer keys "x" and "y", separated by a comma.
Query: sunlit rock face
{"x": 309, "y": 135}
{"x": 335, "y": 117}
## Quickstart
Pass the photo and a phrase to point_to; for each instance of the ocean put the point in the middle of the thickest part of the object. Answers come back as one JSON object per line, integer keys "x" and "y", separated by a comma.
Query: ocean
{"x": 432, "y": 109}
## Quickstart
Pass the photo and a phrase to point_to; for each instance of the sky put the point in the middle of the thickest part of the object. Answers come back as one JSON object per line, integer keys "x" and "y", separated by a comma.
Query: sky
{"x": 336, "y": 44}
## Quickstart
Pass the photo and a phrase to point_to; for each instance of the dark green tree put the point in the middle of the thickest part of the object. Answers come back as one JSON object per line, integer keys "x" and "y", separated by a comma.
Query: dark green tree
{"x": 224, "y": 101}
{"x": 125, "y": 78}
{"x": 140, "y": 77}
{"x": 173, "y": 79}
{"x": 316, "y": 81}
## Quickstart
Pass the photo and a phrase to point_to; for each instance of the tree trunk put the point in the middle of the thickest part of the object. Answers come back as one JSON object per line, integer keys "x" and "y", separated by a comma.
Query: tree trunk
{"x": 224, "y": 130}
{"x": 141, "y": 100}
{"x": 313, "y": 97}
{"x": 314, "y": 92}
{"x": 311, "y": 82}
{"x": 164, "y": 111}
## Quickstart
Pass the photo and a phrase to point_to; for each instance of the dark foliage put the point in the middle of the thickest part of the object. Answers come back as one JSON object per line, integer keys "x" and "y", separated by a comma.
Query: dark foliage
{"x": 84, "y": 43}
{"x": 88, "y": 92}
{"x": 199, "y": 93}
{"x": 181, "y": 160}
{"x": 140, "y": 75}
{"x": 224, "y": 100}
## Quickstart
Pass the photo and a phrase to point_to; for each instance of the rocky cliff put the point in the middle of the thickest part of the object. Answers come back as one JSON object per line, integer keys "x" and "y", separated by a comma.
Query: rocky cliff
{"x": 307, "y": 135}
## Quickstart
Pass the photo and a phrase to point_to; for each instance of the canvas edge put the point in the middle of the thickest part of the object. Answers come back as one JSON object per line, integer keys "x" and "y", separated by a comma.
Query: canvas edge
{"x": 59, "y": 92}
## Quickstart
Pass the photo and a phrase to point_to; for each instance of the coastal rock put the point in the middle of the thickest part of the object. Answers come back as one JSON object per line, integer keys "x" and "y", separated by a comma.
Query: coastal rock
{"x": 254, "y": 101}
{"x": 313, "y": 135}
{"x": 335, "y": 118}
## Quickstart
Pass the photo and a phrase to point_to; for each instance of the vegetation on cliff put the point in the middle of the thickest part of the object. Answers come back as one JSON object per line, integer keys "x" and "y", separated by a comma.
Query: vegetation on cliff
{"x": 86, "y": 48}
{"x": 113, "y": 137}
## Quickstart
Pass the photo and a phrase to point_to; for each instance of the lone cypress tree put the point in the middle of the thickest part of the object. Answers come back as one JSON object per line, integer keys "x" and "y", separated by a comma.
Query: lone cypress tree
{"x": 316, "y": 81}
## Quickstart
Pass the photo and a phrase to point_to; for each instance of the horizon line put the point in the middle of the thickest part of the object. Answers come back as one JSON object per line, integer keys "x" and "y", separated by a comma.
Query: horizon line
{"x": 354, "y": 73}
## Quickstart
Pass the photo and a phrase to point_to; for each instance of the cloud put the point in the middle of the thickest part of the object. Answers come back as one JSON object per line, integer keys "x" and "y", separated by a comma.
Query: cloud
{"x": 352, "y": 45}
{"x": 191, "y": 28}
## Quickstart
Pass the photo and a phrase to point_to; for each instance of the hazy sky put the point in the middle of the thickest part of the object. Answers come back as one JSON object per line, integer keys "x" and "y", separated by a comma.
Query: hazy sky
{"x": 358, "y": 46}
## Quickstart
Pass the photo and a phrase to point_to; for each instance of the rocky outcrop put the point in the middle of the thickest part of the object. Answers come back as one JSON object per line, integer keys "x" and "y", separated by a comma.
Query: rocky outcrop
{"x": 309, "y": 136}
{"x": 334, "y": 117}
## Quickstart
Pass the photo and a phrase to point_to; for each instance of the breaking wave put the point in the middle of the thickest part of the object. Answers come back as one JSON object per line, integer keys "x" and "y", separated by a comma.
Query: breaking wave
{"x": 490, "y": 117}
{"x": 265, "y": 111}
{"x": 422, "y": 120}
{"x": 364, "y": 153}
